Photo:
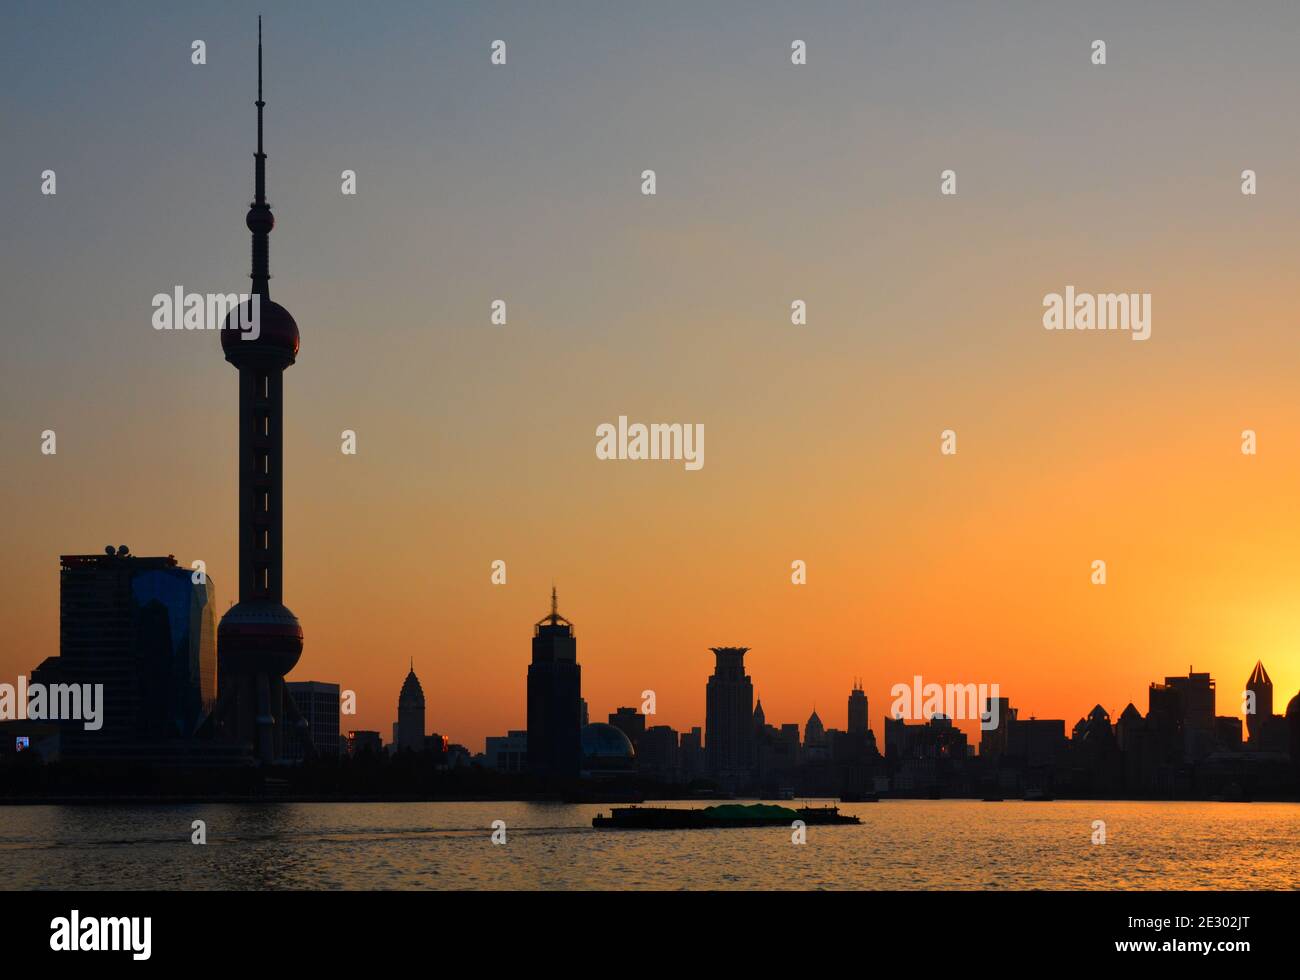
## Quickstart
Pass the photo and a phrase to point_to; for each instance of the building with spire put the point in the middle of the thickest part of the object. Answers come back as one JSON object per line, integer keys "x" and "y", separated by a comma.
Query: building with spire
{"x": 729, "y": 719}
{"x": 814, "y": 732}
{"x": 1261, "y": 686}
{"x": 554, "y": 699}
{"x": 409, "y": 733}
{"x": 1265, "y": 730}
{"x": 259, "y": 640}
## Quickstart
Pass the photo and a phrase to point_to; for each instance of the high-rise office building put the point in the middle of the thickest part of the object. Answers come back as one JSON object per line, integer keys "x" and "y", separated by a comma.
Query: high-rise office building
{"x": 143, "y": 628}
{"x": 729, "y": 718}
{"x": 657, "y": 752}
{"x": 1181, "y": 714}
{"x": 631, "y": 723}
{"x": 691, "y": 758}
{"x": 554, "y": 699}
{"x": 409, "y": 733}
{"x": 319, "y": 704}
{"x": 858, "y": 723}
{"x": 996, "y": 715}
{"x": 1194, "y": 697}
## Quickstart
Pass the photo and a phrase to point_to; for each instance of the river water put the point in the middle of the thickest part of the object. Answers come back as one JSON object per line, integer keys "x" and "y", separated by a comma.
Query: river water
{"x": 901, "y": 844}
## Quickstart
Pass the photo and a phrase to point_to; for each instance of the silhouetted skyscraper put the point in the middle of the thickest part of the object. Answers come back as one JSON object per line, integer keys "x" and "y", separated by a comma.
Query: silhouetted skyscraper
{"x": 631, "y": 723}
{"x": 1262, "y": 687}
{"x": 858, "y": 723}
{"x": 554, "y": 698}
{"x": 410, "y": 714}
{"x": 729, "y": 718}
{"x": 1292, "y": 717}
{"x": 144, "y": 629}
{"x": 1196, "y": 699}
{"x": 319, "y": 704}
{"x": 259, "y": 640}
{"x": 814, "y": 732}
{"x": 996, "y": 714}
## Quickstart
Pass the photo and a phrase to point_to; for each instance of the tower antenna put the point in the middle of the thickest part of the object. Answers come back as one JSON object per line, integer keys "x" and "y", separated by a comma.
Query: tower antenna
{"x": 259, "y": 220}
{"x": 261, "y": 155}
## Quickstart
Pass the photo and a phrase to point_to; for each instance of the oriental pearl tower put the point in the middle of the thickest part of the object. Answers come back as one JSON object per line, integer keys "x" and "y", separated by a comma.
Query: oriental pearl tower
{"x": 259, "y": 640}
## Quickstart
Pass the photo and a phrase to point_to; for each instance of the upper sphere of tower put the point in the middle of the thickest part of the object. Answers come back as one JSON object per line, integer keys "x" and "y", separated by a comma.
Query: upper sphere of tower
{"x": 260, "y": 220}
{"x": 270, "y": 337}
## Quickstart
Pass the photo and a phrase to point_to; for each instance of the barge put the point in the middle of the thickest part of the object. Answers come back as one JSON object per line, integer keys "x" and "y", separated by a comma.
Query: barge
{"x": 727, "y": 815}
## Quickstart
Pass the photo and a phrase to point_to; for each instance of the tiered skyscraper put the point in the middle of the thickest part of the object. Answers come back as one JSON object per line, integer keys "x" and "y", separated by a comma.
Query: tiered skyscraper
{"x": 554, "y": 699}
{"x": 729, "y": 718}
{"x": 259, "y": 640}
{"x": 410, "y": 713}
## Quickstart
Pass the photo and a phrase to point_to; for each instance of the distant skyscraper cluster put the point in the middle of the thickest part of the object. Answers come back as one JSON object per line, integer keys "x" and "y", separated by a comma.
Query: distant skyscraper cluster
{"x": 1179, "y": 747}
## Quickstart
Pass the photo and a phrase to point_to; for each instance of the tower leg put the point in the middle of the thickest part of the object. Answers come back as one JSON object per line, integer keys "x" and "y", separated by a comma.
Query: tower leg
{"x": 265, "y": 720}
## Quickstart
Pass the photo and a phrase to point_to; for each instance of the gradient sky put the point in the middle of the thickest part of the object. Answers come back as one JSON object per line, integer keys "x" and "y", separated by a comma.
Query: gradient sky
{"x": 820, "y": 183}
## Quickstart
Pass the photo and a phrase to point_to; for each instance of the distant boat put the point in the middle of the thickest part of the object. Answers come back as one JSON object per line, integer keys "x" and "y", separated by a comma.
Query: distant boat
{"x": 727, "y": 815}
{"x": 993, "y": 799}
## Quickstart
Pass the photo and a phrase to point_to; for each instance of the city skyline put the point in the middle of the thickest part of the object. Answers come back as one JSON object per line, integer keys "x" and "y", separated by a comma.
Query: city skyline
{"x": 860, "y": 707}
{"x": 823, "y": 444}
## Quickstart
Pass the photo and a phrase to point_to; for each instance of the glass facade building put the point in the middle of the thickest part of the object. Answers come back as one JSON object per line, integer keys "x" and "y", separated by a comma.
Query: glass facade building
{"x": 145, "y": 630}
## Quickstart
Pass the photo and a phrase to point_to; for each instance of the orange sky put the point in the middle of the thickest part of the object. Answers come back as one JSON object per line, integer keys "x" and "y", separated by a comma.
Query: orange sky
{"x": 477, "y": 442}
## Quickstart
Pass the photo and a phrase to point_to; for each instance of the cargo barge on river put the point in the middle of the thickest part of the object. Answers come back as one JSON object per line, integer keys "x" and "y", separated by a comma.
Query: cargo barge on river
{"x": 726, "y": 815}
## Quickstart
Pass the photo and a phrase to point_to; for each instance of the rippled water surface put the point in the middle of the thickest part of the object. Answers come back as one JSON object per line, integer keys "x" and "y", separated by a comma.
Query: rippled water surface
{"x": 930, "y": 844}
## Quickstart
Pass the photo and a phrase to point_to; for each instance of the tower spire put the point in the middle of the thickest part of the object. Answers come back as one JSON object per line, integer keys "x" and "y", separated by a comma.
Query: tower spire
{"x": 555, "y": 604}
{"x": 261, "y": 156}
{"x": 259, "y": 219}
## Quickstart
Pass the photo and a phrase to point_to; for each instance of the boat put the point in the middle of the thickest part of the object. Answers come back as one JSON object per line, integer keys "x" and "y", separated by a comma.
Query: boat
{"x": 726, "y": 815}
{"x": 993, "y": 799}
